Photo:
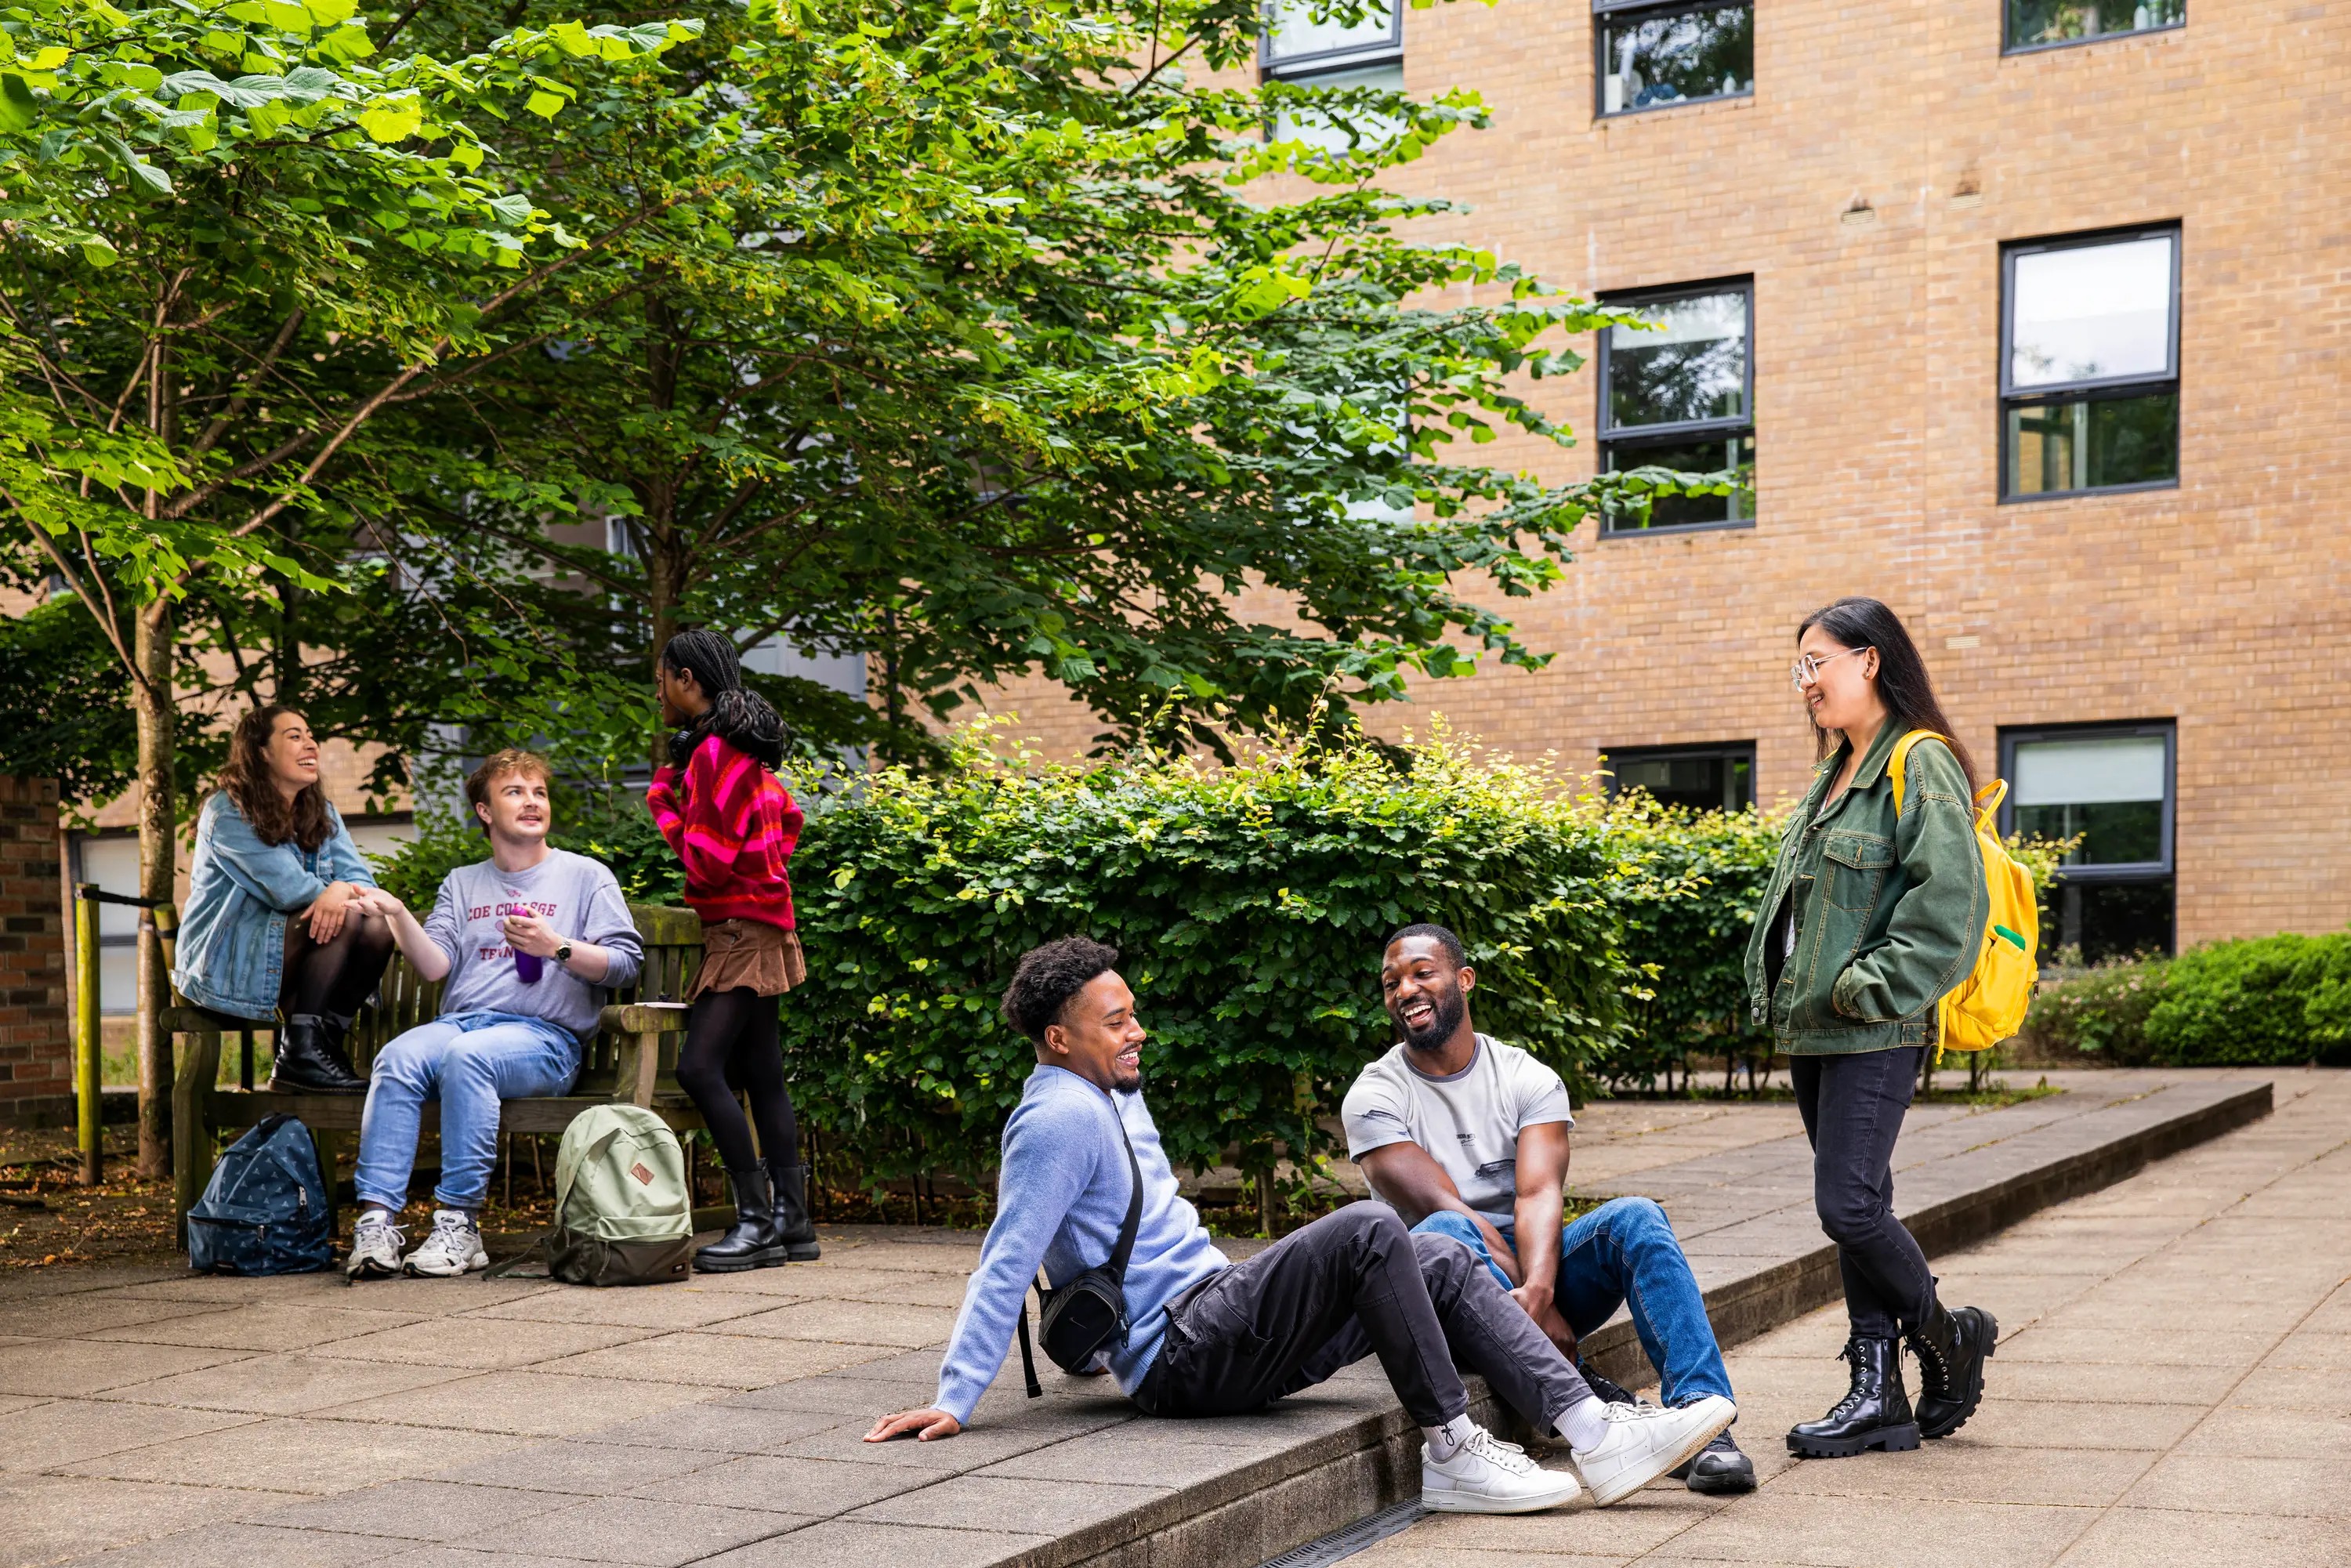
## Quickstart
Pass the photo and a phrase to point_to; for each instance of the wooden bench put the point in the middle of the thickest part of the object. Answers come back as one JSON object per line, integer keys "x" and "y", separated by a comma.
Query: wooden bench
{"x": 633, "y": 1058}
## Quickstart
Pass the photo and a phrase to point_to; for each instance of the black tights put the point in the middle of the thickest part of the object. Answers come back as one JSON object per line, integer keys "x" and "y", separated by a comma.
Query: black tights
{"x": 730, "y": 1045}
{"x": 333, "y": 979}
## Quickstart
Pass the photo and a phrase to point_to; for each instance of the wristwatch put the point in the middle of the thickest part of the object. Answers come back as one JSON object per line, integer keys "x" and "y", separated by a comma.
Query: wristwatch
{"x": 563, "y": 953}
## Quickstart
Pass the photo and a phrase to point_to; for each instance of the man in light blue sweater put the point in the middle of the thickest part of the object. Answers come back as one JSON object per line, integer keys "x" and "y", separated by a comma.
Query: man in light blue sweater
{"x": 1209, "y": 1337}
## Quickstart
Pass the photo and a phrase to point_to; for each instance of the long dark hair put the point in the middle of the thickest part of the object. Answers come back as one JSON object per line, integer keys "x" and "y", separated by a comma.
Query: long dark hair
{"x": 247, "y": 779}
{"x": 1902, "y": 683}
{"x": 741, "y": 718}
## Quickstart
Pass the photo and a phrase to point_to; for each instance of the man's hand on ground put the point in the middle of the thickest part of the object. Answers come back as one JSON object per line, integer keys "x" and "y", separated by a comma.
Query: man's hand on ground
{"x": 924, "y": 1425}
{"x": 1540, "y": 1306}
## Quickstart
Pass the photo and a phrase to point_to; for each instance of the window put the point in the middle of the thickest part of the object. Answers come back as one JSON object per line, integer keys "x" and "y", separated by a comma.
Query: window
{"x": 1704, "y": 777}
{"x": 1683, "y": 398}
{"x": 1334, "y": 53}
{"x": 112, "y": 862}
{"x": 2110, "y": 785}
{"x": 2052, "y": 24}
{"x": 1657, "y": 57}
{"x": 2089, "y": 374}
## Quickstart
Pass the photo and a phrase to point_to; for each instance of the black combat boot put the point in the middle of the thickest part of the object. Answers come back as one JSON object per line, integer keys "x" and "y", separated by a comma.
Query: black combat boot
{"x": 1951, "y": 1348}
{"x": 307, "y": 1058}
{"x": 750, "y": 1242}
{"x": 1874, "y": 1413}
{"x": 794, "y": 1228}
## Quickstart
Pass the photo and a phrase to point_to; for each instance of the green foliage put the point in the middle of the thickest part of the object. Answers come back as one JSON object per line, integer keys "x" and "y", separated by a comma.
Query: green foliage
{"x": 1251, "y": 903}
{"x": 1688, "y": 917}
{"x": 2101, "y": 1010}
{"x": 2269, "y": 1000}
{"x": 62, "y": 713}
{"x": 2263, "y": 1001}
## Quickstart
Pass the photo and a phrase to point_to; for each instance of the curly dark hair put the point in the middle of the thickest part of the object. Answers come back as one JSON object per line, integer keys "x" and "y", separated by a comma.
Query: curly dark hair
{"x": 1048, "y": 977}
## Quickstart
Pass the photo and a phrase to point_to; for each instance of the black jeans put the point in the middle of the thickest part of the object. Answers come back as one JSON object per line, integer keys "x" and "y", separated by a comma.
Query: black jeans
{"x": 1852, "y": 1106}
{"x": 1352, "y": 1283}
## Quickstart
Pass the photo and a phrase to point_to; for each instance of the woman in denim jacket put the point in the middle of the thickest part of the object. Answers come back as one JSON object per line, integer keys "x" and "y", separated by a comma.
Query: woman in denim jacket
{"x": 271, "y": 935}
{"x": 1871, "y": 917}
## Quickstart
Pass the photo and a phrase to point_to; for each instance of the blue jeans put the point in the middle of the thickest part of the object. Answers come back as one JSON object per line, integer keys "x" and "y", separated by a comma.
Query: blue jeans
{"x": 469, "y": 1062}
{"x": 1624, "y": 1253}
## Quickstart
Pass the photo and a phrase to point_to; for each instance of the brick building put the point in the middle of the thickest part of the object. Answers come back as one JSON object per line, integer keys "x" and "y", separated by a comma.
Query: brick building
{"x": 36, "y": 1035}
{"x": 2090, "y": 473}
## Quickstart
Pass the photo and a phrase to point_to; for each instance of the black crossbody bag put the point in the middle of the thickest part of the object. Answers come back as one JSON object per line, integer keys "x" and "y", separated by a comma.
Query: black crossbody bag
{"x": 1090, "y": 1312}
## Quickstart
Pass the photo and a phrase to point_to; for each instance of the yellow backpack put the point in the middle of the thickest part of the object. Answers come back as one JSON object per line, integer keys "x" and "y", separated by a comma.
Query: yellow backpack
{"x": 1989, "y": 1005}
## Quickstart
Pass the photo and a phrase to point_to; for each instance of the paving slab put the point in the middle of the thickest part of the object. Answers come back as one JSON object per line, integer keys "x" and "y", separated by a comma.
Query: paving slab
{"x": 467, "y": 1424}
{"x": 2084, "y": 1456}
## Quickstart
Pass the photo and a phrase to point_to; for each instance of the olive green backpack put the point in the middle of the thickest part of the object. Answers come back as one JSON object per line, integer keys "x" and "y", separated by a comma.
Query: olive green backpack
{"x": 622, "y": 1214}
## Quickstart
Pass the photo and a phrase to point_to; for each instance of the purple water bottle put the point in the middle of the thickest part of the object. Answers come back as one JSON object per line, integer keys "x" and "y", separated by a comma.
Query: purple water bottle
{"x": 527, "y": 967}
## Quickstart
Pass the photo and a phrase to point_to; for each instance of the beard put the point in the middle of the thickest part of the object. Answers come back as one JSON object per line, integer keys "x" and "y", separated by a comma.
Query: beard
{"x": 1446, "y": 1009}
{"x": 1126, "y": 1082}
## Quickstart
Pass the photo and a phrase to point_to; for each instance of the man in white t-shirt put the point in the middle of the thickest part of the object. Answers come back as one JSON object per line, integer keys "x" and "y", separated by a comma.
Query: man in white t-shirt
{"x": 1466, "y": 1138}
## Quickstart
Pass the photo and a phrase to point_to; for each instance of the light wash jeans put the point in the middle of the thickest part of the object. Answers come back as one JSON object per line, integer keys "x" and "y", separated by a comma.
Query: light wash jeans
{"x": 469, "y": 1062}
{"x": 1624, "y": 1253}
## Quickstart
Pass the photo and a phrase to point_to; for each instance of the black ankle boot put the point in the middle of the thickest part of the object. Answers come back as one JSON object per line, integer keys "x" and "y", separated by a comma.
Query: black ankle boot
{"x": 1951, "y": 1348}
{"x": 1874, "y": 1413}
{"x": 307, "y": 1058}
{"x": 794, "y": 1228}
{"x": 751, "y": 1241}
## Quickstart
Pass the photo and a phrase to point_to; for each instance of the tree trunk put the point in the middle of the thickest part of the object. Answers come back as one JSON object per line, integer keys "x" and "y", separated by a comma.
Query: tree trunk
{"x": 157, "y": 859}
{"x": 158, "y": 869}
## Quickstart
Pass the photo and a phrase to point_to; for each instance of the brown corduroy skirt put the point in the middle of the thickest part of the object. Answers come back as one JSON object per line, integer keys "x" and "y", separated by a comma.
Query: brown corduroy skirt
{"x": 747, "y": 955}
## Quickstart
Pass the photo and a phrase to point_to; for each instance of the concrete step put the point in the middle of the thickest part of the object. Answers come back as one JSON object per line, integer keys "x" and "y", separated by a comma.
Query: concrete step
{"x": 1079, "y": 1478}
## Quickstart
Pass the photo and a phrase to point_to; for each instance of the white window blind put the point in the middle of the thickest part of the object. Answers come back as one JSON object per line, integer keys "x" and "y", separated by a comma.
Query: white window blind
{"x": 2089, "y": 772}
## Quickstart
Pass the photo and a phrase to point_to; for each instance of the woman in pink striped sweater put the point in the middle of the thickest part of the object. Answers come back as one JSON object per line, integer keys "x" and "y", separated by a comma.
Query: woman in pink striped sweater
{"x": 734, "y": 825}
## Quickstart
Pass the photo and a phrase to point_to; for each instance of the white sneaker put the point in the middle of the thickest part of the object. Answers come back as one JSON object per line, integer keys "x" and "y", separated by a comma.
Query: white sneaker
{"x": 1486, "y": 1475}
{"x": 454, "y": 1246}
{"x": 1645, "y": 1442}
{"x": 375, "y": 1247}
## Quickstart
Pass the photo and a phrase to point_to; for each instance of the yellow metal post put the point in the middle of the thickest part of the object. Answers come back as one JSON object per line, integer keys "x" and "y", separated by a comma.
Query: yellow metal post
{"x": 87, "y": 1046}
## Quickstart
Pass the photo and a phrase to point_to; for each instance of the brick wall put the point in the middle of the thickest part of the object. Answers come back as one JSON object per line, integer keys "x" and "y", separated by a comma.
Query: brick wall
{"x": 35, "y": 1030}
{"x": 2223, "y": 605}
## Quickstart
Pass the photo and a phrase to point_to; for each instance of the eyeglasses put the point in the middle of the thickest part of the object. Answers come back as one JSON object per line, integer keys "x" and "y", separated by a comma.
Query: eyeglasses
{"x": 1807, "y": 669}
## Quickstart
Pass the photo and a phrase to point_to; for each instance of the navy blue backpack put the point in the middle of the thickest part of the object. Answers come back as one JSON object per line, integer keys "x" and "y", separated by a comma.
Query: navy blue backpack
{"x": 265, "y": 1210}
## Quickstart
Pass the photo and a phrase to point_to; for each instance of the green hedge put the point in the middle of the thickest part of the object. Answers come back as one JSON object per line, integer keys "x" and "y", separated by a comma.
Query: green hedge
{"x": 1251, "y": 901}
{"x": 2263, "y": 1001}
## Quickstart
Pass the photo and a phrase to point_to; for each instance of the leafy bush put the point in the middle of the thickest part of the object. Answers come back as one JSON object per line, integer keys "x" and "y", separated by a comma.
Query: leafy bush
{"x": 1686, "y": 920}
{"x": 2262, "y": 1001}
{"x": 2100, "y": 1012}
{"x": 1249, "y": 901}
{"x": 2269, "y": 1001}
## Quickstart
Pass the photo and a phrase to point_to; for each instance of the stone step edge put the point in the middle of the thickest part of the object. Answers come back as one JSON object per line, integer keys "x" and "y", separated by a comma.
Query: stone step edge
{"x": 1337, "y": 1478}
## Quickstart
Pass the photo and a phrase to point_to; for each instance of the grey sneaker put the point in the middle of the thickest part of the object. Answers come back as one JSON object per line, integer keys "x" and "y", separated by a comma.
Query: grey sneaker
{"x": 454, "y": 1246}
{"x": 375, "y": 1247}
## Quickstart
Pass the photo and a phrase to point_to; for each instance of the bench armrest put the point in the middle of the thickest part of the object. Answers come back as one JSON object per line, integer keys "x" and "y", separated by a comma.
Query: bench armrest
{"x": 642, "y": 1017}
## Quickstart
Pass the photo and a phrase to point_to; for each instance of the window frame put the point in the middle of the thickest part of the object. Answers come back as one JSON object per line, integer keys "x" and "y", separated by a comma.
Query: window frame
{"x": 1352, "y": 56}
{"x": 2012, "y": 397}
{"x": 2008, "y": 45}
{"x": 1603, "y": 10}
{"x": 1734, "y": 751}
{"x": 1611, "y": 438}
{"x": 2011, "y": 737}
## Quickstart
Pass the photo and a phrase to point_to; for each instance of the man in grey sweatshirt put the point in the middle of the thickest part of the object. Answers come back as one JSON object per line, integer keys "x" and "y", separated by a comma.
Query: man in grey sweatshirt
{"x": 528, "y": 941}
{"x": 1208, "y": 1337}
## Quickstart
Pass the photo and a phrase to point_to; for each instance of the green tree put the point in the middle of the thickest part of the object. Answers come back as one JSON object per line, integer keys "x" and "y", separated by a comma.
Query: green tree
{"x": 1035, "y": 378}
{"x": 234, "y": 235}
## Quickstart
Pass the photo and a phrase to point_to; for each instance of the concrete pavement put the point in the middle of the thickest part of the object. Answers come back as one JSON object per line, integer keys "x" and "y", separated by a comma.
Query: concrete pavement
{"x": 2173, "y": 1387}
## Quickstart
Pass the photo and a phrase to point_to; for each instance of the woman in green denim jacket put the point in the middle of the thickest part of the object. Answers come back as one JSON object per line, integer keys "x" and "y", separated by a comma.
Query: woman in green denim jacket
{"x": 1870, "y": 917}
